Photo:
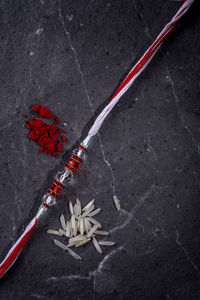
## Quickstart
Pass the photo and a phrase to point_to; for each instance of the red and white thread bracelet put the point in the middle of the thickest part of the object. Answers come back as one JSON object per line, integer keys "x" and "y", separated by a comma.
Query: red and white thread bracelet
{"x": 64, "y": 176}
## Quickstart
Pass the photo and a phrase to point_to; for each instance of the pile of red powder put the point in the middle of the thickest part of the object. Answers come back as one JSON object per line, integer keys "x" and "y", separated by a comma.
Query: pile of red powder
{"x": 46, "y": 135}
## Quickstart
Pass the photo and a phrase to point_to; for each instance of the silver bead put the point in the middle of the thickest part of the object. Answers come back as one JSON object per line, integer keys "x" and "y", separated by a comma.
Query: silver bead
{"x": 64, "y": 176}
{"x": 49, "y": 199}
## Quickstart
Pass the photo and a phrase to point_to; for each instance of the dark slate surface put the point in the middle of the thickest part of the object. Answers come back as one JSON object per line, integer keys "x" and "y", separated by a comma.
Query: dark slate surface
{"x": 70, "y": 56}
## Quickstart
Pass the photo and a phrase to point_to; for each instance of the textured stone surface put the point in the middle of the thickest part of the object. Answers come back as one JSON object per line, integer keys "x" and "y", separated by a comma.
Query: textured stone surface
{"x": 70, "y": 56}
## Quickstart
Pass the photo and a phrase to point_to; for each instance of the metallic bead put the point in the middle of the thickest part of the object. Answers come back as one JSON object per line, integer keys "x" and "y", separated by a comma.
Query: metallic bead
{"x": 64, "y": 176}
{"x": 49, "y": 199}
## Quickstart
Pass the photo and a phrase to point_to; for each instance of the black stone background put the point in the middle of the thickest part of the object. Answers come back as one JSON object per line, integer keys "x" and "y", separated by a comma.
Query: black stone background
{"x": 70, "y": 56}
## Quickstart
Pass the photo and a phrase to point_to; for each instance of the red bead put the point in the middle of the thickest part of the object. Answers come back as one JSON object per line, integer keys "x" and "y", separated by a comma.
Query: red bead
{"x": 46, "y": 205}
{"x": 70, "y": 168}
{"x": 52, "y": 193}
{"x": 76, "y": 157}
{"x": 73, "y": 163}
{"x": 59, "y": 184}
{"x": 56, "y": 189}
{"x": 80, "y": 146}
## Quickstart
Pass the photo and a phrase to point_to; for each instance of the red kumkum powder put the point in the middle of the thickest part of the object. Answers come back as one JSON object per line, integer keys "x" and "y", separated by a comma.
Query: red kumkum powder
{"x": 46, "y": 135}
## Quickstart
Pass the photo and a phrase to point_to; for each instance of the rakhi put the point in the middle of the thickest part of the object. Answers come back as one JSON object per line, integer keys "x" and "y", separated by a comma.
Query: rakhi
{"x": 64, "y": 176}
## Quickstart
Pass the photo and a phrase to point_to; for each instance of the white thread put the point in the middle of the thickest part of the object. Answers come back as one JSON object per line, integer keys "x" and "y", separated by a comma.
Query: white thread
{"x": 101, "y": 117}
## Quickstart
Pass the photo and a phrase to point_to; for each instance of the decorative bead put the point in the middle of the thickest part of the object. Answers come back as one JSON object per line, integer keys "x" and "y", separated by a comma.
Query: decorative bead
{"x": 52, "y": 193}
{"x": 49, "y": 199}
{"x": 70, "y": 168}
{"x": 72, "y": 162}
{"x": 59, "y": 184}
{"x": 79, "y": 152}
{"x": 56, "y": 189}
{"x": 64, "y": 176}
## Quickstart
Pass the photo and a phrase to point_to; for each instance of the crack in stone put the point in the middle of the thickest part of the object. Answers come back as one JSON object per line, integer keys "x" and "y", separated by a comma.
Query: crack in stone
{"x": 139, "y": 224}
{"x": 108, "y": 164}
{"x": 179, "y": 110}
{"x": 38, "y": 296}
{"x": 148, "y": 134}
{"x": 91, "y": 274}
{"x": 151, "y": 149}
{"x": 186, "y": 253}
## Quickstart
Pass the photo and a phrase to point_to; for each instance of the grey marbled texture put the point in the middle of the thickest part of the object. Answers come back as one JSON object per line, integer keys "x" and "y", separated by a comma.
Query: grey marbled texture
{"x": 71, "y": 56}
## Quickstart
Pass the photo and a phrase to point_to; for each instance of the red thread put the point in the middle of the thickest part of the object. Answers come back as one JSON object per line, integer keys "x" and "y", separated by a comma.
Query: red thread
{"x": 16, "y": 251}
{"x": 70, "y": 168}
{"x": 80, "y": 146}
{"x": 46, "y": 205}
{"x": 59, "y": 183}
{"x": 52, "y": 193}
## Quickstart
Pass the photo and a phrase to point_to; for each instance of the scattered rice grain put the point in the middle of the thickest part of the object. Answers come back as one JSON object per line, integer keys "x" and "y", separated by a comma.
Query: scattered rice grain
{"x": 88, "y": 205}
{"x": 82, "y": 242}
{"x": 77, "y": 238}
{"x": 96, "y": 245}
{"x": 61, "y": 245}
{"x": 106, "y": 243}
{"x": 78, "y": 202}
{"x": 92, "y": 230}
{"x": 71, "y": 208}
{"x": 63, "y": 232}
{"x": 88, "y": 211}
{"x": 81, "y": 226}
{"x": 93, "y": 221}
{"x": 95, "y": 212}
{"x": 87, "y": 224}
{"x": 76, "y": 211}
{"x": 101, "y": 232}
{"x": 75, "y": 228}
{"x": 63, "y": 223}
{"x": 73, "y": 223}
{"x": 55, "y": 232}
{"x": 68, "y": 230}
{"x": 74, "y": 254}
{"x": 117, "y": 202}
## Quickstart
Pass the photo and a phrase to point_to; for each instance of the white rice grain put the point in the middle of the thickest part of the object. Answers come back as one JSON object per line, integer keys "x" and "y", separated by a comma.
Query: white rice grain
{"x": 92, "y": 230}
{"x": 78, "y": 202}
{"x": 75, "y": 228}
{"x": 87, "y": 224}
{"x": 74, "y": 254}
{"x": 61, "y": 245}
{"x": 78, "y": 223}
{"x": 88, "y": 211}
{"x": 82, "y": 242}
{"x": 68, "y": 230}
{"x": 95, "y": 212}
{"x": 117, "y": 202}
{"x": 76, "y": 211}
{"x": 106, "y": 243}
{"x": 55, "y": 232}
{"x": 77, "y": 238}
{"x": 81, "y": 226}
{"x": 71, "y": 209}
{"x": 63, "y": 223}
{"x": 96, "y": 245}
{"x": 63, "y": 232}
{"x": 88, "y": 205}
{"x": 101, "y": 232}
{"x": 93, "y": 221}
{"x": 73, "y": 221}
